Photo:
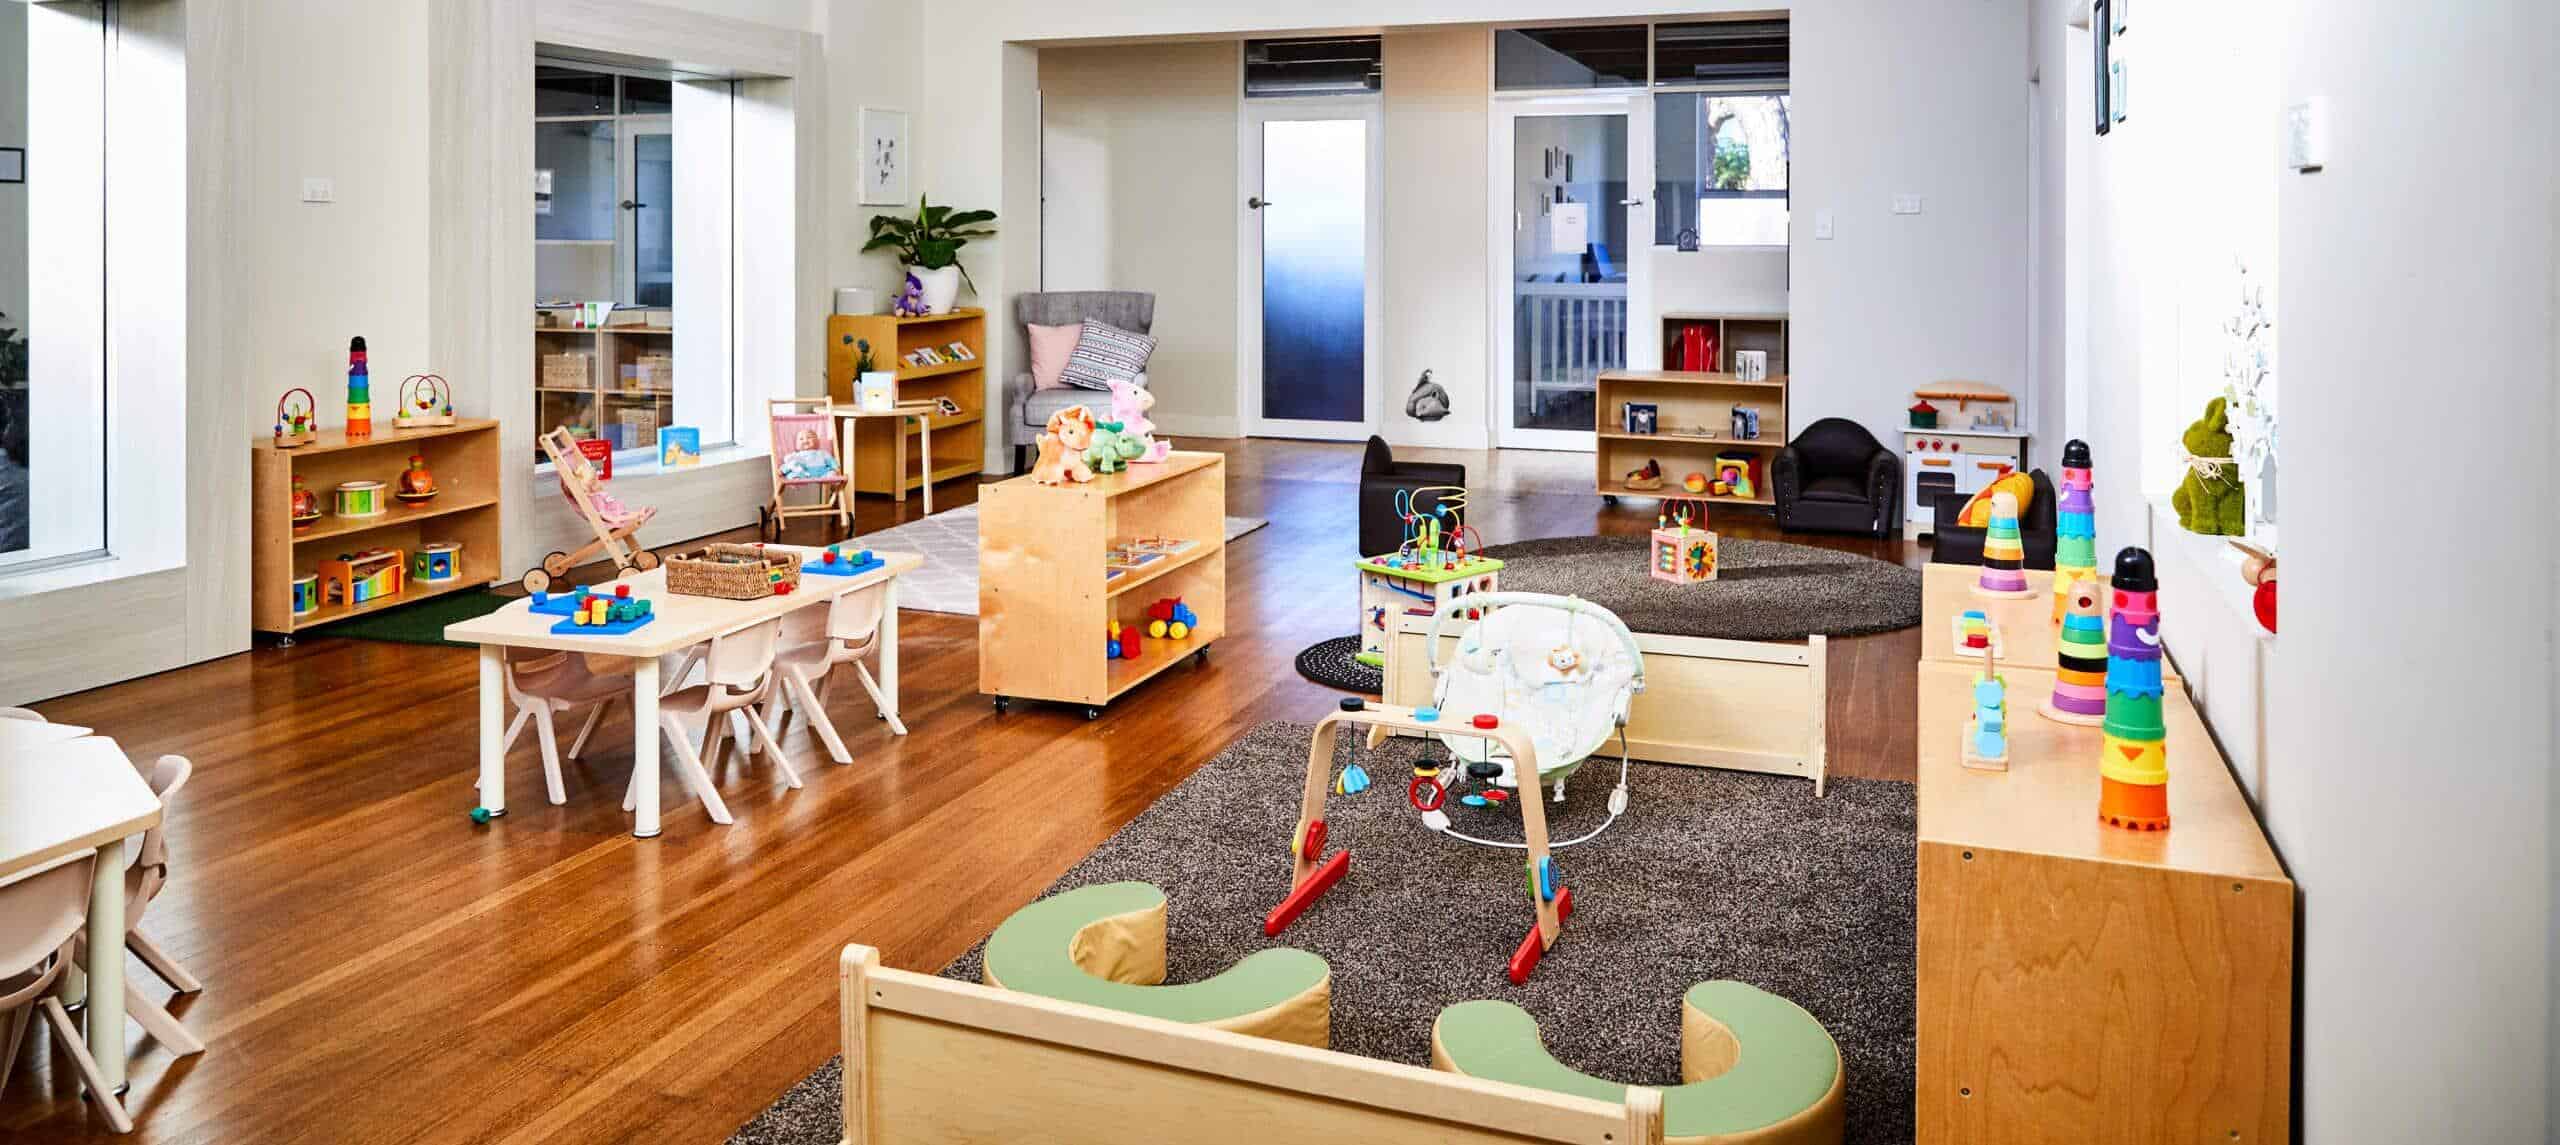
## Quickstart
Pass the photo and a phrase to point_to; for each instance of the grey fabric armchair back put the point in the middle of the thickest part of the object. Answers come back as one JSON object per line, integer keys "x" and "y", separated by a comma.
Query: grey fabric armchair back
{"x": 1026, "y": 414}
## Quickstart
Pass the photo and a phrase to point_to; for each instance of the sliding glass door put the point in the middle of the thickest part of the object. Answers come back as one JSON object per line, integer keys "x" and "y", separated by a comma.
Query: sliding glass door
{"x": 1570, "y": 260}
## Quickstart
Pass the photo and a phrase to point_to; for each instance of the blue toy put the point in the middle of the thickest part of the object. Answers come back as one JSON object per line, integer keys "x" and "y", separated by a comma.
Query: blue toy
{"x": 560, "y": 603}
{"x": 599, "y": 615}
{"x": 836, "y": 562}
{"x": 1427, "y": 714}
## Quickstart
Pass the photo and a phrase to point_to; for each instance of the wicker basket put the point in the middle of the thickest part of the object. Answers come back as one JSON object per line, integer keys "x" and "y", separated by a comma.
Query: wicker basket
{"x": 733, "y": 572}
{"x": 565, "y": 371}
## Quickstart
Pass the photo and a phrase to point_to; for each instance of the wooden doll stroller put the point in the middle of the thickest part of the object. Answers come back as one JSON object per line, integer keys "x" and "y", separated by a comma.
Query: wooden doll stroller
{"x": 805, "y": 457}
{"x": 613, "y": 521}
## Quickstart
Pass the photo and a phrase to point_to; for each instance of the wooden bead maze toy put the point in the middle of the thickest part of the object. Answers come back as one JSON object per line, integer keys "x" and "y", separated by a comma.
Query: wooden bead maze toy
{"x": 297, "y": 423}
{"x": 1433, "y": 566}
{"x": 425, "y": 400}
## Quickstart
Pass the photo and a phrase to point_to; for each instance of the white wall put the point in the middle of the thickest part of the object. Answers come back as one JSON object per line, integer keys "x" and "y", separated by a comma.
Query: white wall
{"x": 1438, "y": 269}
{"x": 2424, "y": 850}
{"x": 1142, "y": 194}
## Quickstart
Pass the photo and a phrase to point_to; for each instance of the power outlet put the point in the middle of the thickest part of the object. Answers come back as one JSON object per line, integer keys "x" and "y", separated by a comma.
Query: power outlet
{"x": 319, "y": 190}
{"x": 1906, "y": 204}
{"x": 1822, "y": 223}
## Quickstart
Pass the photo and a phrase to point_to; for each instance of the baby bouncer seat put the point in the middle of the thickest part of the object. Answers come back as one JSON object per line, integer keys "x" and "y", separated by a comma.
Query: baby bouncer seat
{"x": 1559, "y": 667}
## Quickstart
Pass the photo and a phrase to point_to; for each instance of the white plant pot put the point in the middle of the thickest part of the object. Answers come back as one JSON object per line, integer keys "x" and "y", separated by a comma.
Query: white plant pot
{"x": 941, "y": 287}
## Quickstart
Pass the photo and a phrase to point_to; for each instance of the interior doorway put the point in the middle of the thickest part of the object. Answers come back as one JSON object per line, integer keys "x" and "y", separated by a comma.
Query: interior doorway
{"x": 1569, "y": 247}
{"x": 1310, "y": 253}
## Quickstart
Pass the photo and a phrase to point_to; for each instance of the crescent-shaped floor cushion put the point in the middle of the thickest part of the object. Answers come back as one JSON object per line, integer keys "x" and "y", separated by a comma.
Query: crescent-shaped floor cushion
{"x": 1757, "y": 1069}
{"x": 1103, "y": 946}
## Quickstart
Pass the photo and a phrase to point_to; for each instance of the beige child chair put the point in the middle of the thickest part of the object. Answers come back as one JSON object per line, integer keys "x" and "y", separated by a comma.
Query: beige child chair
{"x": 738, "y": 674}
{"x": 21, "y": 714}
{"x": 541, "y": 683}
{"x": 40, "y": 920}
{"x": 810, "y": 656}
{"x": 142, "y": 883}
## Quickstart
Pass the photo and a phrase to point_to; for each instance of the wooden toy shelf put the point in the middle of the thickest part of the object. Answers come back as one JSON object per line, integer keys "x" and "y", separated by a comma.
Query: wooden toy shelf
{"x": 464, "y": 458}
{"x": 2080, "y": 982}
{"x": 1044, "y": 604}
{"x": 1694, "y": 418}
{"x": 600, "y": 399}
{"x": 959, "y": 440}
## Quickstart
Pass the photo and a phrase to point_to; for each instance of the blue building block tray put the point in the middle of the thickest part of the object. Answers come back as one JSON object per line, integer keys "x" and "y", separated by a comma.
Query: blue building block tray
{"x": 844, "y": 566}
{"x": 559, "y": 603}
{"x": 569, "y": 626}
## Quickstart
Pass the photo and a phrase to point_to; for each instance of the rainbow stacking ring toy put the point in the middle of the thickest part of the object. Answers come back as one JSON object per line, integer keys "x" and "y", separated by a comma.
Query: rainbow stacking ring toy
{"x": 2004, "y": 555}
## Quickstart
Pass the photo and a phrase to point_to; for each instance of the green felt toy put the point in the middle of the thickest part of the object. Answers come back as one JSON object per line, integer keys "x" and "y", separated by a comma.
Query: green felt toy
{"x": 1113, "y": 447}
{"x": 2212, "y": 505}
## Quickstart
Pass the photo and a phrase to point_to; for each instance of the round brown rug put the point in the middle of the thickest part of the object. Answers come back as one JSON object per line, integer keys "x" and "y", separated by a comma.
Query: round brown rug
{"x": 1764, "y": 590}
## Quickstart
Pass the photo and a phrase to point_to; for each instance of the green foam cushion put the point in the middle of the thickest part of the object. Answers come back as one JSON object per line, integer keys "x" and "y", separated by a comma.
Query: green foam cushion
{"x": 1030, "y": 953}
{"x": 1788, "y": 1063}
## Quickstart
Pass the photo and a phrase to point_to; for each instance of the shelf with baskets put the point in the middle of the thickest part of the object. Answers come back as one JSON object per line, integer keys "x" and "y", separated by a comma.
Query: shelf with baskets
{"x": 445, "y": 543}
{"x": 613, "y": 382}
{"x": 959, "y": 440}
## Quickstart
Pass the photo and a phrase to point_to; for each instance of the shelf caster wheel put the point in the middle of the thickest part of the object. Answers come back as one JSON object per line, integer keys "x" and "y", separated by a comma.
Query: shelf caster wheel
{"x": 1608, "y": 498}
{"x": 1093, "y": 713}
{"x": 1200, "y": 659}
{"x": 1003, "y": 704}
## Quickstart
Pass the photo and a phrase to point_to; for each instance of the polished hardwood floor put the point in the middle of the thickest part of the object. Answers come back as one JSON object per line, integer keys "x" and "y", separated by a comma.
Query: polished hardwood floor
{"x": 381, "y": 970}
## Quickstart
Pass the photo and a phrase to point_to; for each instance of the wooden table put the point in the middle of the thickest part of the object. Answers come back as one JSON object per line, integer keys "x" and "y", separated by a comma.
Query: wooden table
{"x": 59, "y": 799}
{"x": 682, "y": 622}
{"x": 848, "y": 417}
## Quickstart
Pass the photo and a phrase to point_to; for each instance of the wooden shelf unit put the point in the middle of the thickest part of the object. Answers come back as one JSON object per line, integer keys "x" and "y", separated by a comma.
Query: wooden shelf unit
{"x": 1685, "y": 401}
{"x": 463, "y": 456}
{"x": 2080, "y": 982}
{"x": 608, "y": 349}
{"x": 1044, "y": 607}
{"x": 959, "y": 440}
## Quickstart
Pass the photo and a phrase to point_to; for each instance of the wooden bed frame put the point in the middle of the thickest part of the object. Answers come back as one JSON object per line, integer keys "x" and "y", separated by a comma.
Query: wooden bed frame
{"x": 1766, "y": 709}
{"x": 929, "y": 1059}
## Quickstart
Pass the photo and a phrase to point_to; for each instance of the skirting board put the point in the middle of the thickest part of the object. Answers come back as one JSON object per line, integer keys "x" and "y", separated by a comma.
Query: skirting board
{"x": 1740, "y": 705}
{"x": 929, "y": 1059}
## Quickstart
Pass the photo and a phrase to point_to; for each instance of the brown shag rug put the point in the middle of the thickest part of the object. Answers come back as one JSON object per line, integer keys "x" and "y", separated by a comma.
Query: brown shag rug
{"x": 1764, "y": 590}
{"x": 1710, "y": 874}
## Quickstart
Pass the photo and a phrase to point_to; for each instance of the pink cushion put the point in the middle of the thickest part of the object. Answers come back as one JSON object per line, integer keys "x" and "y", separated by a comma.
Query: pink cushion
{"x": 1050, "y": 346}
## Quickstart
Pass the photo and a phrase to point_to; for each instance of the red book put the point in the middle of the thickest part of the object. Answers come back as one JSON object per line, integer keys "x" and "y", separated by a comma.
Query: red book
{"x": 599, "y": 451}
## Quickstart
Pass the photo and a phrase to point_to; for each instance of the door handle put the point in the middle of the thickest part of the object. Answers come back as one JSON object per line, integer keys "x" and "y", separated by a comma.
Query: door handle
{"x": 1630, "y": 202}
{"x": 1257, "y": 202}
{"x": 628, "y": 205}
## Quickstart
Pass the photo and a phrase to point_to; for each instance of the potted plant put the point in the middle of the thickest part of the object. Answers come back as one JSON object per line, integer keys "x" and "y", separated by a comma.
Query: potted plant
{"x": 930, "y": 245}
{"x": 876, "y": 390}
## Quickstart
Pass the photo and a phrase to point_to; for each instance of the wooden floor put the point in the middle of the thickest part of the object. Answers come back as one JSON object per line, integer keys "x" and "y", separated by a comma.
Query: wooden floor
{"x": 381, "y": 970}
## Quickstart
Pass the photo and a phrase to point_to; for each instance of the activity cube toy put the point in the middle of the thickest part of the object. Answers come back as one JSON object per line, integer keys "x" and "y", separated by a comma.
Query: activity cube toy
{"x": 306, "y": 594}
{"x": 437, "y": 562}
{"x": 1398, "y": 584}
{"x": 1682, "y": 554}
{"x": 2133, "y": 789}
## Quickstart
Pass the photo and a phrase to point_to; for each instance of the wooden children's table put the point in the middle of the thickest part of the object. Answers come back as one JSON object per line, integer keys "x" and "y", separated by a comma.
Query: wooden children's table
{"x": 682, "y": 622}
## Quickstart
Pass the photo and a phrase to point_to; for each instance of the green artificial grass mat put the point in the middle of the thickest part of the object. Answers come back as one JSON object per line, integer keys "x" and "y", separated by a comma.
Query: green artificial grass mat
{"x": 420, "y": 623}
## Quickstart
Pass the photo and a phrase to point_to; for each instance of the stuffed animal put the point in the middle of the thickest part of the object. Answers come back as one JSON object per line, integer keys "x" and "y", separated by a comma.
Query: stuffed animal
{"x": 1129, "y": 406}
{"x": 1062, "y": 448}
{"x": 910, "y": 302}
{"x": 1113, "y": 448}
{"x": 2209, "y": 501}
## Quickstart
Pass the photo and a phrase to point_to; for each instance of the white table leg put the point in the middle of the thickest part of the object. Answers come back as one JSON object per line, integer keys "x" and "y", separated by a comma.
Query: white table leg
{"x": 644, "y": 746}
{"x": 889, "y": 655}
{"x": 493, "y": 715}
{"x": 106, "y": 965}
{"x": 924, "y": 445}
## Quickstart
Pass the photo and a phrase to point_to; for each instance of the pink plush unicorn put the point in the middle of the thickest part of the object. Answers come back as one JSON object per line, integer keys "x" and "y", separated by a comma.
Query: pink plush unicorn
{"x": 1129, "y": 406}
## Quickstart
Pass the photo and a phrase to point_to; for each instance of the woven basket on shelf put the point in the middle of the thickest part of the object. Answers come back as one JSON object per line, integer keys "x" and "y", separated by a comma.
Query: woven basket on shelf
{"x": 733, "y": 572}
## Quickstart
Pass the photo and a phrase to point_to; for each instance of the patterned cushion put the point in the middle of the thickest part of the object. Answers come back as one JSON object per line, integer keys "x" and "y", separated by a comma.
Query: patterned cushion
{"x": 1105, "y": 353}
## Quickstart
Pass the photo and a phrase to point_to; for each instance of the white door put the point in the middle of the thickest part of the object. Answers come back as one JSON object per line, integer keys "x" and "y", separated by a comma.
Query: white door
{"x": 644, "y": 228}
{"x": 1309, "y": 245}
{"x": 1571, "y": 254}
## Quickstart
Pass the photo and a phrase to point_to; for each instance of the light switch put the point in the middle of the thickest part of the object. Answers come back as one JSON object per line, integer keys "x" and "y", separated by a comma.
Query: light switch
{"x": 1906, "y": 204}
{"x": 1822, "y": 223}
{"x": 2306, "y": 134}
{"x": 318, "y": 190}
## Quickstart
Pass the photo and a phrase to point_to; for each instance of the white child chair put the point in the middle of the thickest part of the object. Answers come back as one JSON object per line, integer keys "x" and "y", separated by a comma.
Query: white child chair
{"x": 40, "y": 920}
{"x": 812, "y": 651}
{"x": 738, "y": 673}
{"x": 541, "y": 683}
{"x": 21, "y": 714}
{"x": 142, "y": 883}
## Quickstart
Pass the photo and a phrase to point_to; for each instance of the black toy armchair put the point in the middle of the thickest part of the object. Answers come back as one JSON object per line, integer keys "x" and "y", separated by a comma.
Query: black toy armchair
{"x": 1835, "y": 478}
{"x": 1959, "y": 545}
{"x": 1381, "y": 477}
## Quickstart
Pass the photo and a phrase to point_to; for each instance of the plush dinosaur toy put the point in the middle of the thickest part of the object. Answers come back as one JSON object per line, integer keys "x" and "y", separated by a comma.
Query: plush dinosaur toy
{"x": 1113, "y": 448}
{"x": 2211, "y": 505}
{"x": 1062, "y": 448}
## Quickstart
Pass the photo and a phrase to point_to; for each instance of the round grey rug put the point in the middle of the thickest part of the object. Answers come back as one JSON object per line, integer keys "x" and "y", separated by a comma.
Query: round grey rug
{"x": 1764, "y": 590}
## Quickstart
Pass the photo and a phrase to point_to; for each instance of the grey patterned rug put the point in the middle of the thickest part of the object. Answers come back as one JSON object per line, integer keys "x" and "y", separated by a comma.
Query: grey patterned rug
{"x": 1710, "y": 874}
{"x": 948, "y": 582}
{"x": 1764, "y": 590}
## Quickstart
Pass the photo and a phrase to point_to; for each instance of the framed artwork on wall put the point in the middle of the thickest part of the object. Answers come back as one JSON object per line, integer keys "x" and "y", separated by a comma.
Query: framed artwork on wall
{"x": 884, "y": 157}
{"x": 2101, "y": 20}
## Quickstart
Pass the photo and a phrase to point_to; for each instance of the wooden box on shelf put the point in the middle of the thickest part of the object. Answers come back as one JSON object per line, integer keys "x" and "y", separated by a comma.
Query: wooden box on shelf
{"x": 1047, "y": 594}
{"x": 465, "y": 511}
{"x": 959, "y": 440}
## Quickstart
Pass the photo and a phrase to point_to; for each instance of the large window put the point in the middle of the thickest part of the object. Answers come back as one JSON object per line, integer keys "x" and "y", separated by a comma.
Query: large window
{"x": 1331, "y": 65}
{"x": 1720, "y": 133}
{"x": 629, "y": 171}
{"x": 52, "y": 233}
{"x": 1530, "y": 59}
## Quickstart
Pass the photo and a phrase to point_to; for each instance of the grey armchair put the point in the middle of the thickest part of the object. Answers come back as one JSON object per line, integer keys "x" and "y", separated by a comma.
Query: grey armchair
{"x": 1027, "y": 410}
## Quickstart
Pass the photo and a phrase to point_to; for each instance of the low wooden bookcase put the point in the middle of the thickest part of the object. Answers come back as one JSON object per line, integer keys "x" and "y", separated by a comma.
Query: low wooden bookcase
{"x": 464, "y": 458}
{"x": 959, "y": 439}
{"x": 1045, "y": 597}
{"x": 1694, "y": 423}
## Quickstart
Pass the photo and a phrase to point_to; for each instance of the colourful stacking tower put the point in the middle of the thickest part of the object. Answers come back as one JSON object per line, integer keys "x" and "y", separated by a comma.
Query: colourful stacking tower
{"x": 2004, "y": 555}
{"x": 1986, "y": 733}
{"x": 359, "y": 391}
{"x": 2080, "y": 650}
{"x": 2133, "y": 788}
{"x": 2075, "y": 527}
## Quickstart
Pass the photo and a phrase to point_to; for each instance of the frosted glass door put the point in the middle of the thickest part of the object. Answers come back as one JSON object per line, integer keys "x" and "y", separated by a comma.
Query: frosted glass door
{"x": 1315, "y": 242}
